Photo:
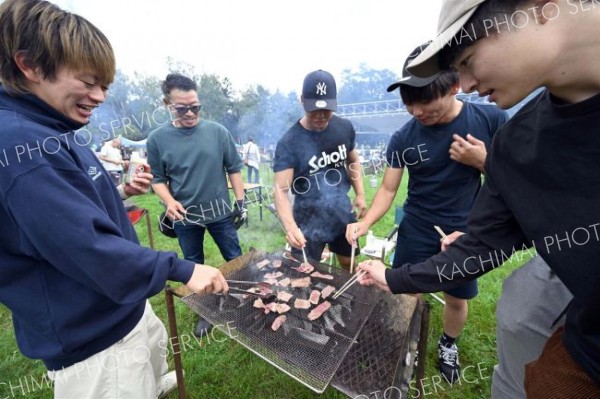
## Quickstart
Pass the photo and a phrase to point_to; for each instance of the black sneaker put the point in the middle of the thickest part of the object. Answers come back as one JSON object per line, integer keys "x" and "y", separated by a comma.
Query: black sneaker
{"x": 448, "y": 362}
{"x": 415, "y": 365}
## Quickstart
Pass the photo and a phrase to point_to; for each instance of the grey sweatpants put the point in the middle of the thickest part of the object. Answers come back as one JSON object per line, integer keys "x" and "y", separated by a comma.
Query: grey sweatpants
{"x": 532, "y": 298}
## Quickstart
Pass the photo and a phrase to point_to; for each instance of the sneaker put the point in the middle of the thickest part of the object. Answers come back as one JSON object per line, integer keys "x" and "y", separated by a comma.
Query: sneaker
{"x": 167, "y": 383}
{"x": 203, "y": 327}
{"x": 415, "y": 364}
{"x": 449, "y": 365}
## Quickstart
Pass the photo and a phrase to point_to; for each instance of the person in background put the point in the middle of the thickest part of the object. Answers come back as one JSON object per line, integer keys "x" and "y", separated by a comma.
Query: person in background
{"x": 541, "y": 189}
{"x": 316, "y": 160}
{"x": 110, "y": 155}
{"x": 191, "y": 160}
{"x": 443, "y": 147}
{"x": 66, "y": 239}
{"x": 252, "y": 160}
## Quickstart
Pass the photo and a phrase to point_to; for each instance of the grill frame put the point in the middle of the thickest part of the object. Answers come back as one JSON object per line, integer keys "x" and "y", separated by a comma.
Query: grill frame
{"x": 401, "y": 309}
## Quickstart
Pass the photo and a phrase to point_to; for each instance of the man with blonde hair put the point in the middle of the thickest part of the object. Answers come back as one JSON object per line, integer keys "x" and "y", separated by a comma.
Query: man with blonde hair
{"x": 73, "y": 273}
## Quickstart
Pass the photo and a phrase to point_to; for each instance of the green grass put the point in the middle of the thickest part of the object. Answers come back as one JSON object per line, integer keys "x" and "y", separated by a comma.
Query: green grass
{"x": 220, "y": 368}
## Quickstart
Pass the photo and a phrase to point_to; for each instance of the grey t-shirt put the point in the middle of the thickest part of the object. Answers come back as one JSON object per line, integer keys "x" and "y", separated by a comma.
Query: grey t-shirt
{"x": 194, "y": 162}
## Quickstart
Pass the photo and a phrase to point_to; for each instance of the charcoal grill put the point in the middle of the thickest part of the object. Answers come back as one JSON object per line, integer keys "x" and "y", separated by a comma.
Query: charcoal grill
{"x": 371, "y": 350}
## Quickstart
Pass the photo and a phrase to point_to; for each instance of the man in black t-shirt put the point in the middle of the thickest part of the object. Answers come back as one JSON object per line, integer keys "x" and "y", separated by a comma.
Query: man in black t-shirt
{"x": 316, "y": 160}
{"x": 444, "y": 148}
{"x": 542, "y": 184}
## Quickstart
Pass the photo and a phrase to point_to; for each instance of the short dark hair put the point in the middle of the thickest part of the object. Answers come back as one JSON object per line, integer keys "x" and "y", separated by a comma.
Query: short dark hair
{"x": 51, "y": 39}
{"x": 475, "y": 28}
{"x": 250, "y": 139}
{"x": 178, "y": 81}
{"x": 438, "y": 88}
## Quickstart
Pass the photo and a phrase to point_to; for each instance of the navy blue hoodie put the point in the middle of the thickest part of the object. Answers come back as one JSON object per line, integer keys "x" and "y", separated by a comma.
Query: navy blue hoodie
{"x": 71, "y": 268}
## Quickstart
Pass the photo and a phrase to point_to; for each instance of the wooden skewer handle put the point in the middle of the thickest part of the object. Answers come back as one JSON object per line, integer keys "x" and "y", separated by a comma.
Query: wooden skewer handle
{"x": 439, "y": 230}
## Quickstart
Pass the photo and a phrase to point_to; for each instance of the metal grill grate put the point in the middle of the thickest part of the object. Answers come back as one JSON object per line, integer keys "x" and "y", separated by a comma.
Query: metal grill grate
{"x": 381, "y": 363}
{"x": 308, "y": 351}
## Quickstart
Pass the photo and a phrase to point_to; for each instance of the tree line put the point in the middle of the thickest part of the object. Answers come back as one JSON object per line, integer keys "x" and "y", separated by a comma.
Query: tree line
{"x": 134, "y": 104}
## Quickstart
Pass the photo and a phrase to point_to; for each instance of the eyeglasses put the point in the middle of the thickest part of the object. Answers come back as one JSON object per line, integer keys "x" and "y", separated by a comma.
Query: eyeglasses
{"x": 183, "y": 109}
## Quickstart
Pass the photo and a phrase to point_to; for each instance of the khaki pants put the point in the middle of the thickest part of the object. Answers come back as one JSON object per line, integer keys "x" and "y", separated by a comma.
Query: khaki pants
{"x": 129, "y": 369}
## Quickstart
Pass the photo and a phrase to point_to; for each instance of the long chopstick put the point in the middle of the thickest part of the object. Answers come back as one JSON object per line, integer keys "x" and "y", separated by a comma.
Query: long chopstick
{"x": 349, "y": 283}
{"x": 440, "y": 231}
{"x": 303, "y": 251}
{"x": 352, "y": 259}
{"x": 353, "y": 250}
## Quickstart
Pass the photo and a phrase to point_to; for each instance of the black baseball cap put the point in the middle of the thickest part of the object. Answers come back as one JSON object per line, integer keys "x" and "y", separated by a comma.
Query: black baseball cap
{"x": 319, "y": 91}
{"x": 409, "y": 79}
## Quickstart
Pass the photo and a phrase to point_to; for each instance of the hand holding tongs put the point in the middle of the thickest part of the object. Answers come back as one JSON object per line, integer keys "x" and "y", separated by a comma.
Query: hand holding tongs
{"x": 263, "y": 286}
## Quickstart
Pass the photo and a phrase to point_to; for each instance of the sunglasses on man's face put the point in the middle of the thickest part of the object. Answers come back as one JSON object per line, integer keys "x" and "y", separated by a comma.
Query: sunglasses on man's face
{"x": 183, "y": 109}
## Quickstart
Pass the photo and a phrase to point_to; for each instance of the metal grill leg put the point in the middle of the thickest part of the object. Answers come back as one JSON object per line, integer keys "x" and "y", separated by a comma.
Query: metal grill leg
{"x": 149, "y": 226}
{"x": 422, "y": 347}
{"x": 175, "y": 342}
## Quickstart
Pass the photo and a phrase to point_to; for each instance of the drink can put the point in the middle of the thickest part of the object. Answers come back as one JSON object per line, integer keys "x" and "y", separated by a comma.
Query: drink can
{"x": 134, "y": 168}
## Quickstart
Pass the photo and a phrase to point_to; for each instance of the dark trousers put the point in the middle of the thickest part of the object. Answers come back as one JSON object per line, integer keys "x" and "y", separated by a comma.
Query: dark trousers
{"x": 256, "y": 177}
{"x": 191, "y": 239}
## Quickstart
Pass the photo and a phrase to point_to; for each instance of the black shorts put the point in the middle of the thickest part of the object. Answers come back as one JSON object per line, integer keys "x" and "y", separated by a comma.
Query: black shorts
{"x": 418, "y": 241}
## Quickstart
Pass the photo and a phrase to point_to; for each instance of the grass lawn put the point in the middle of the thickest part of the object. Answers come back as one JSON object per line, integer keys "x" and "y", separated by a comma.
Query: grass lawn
{"x": 218, "y": 367}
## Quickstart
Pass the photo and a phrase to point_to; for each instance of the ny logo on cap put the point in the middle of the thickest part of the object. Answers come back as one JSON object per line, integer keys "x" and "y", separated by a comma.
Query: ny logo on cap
{"x": 321, "y": 89}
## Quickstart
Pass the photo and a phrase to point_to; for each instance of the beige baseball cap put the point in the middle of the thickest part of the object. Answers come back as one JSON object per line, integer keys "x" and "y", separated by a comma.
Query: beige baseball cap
{"x": 453, "y": 16}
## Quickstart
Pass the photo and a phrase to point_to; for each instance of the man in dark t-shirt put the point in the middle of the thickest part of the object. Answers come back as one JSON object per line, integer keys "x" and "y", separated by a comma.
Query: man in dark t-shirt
{"x": 316, "y": 161}
{"x": 444, "y": 148}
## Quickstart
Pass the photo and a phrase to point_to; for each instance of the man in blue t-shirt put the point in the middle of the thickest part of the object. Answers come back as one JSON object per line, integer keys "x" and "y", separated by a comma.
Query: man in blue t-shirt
{"x": 317, "y": 162}
{"x": 444, "y": 148}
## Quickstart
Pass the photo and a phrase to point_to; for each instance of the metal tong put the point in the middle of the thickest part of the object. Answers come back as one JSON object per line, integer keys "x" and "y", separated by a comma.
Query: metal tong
{"x": 265, "y": 296}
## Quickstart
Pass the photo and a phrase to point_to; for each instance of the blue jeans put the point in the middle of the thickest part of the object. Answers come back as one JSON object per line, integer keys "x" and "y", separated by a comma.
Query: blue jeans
{"x": 250, "y": 170}
{"x": 191, "y": 239}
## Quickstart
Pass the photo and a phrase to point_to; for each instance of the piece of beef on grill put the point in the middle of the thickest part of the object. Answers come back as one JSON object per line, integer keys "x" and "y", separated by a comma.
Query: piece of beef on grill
{"x": 282, "y": 308}
{"x": 270, "y": 307}
{"x": 304, "y": 268}
{"x": 279, "y": 320}
{"x": 284, "y": 282}
{"x": 314, "y": 297}
{"x": 301, "y": 304}
{"x": 273, "y": 275}
{"x": 263, "y": 263}
{"x": 321, "y": 275}
{"x": 276, "y": 263}
{"x": 328, "y": 290}
{"x": 284, "y": 296}
{"x": 258, "y": 303}
{"x": 319, "y": 310}
{"x": 301, "y": 282}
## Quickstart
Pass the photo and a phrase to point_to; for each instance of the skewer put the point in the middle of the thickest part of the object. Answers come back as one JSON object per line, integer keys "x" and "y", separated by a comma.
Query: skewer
{"x": 349, "y": 283}
{"x": 437, "y": 228}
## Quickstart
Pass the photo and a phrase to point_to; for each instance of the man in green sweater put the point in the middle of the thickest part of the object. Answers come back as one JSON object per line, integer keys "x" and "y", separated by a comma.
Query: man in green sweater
{"x": 190, "y": 161}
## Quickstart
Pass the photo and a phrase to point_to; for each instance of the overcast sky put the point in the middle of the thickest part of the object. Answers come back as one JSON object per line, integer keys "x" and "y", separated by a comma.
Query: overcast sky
{"x": 270, "y": 42}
